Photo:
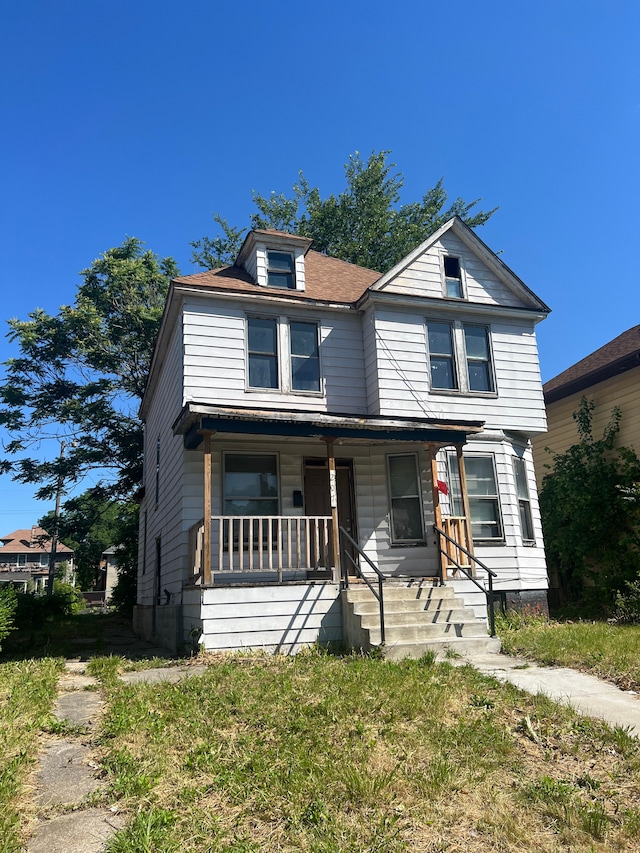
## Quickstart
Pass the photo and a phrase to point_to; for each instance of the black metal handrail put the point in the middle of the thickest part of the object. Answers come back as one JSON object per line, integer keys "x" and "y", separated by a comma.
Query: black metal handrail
{"x": 345, "y": 575}
{"x": 490, "y": 574}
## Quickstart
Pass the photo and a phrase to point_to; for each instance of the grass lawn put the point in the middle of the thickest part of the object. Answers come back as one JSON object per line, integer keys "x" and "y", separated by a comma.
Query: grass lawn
{"x": 27, "y": 691}
{"x": 609, "y": 651}
{"x": 344, "y": 755}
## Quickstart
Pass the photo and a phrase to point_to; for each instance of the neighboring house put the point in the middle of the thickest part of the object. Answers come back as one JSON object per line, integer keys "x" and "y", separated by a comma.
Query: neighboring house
{"x": 25, "y": 556}
{"x": 609, "y": 377}
{"x": 105, "y": 578}
{"x": 293, "y": 394}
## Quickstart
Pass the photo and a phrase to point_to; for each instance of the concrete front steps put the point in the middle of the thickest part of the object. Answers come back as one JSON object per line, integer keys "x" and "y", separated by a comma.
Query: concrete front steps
{"x": 419, "y": 618}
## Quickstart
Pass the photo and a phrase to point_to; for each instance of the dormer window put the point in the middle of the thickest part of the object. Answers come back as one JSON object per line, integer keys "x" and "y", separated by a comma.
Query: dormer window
{"x": 452, "y": 277}
{"x": 281, "y": 270}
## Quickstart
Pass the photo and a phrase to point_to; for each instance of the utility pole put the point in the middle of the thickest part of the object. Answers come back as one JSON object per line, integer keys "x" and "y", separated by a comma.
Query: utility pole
{"x": 54, "y": 536}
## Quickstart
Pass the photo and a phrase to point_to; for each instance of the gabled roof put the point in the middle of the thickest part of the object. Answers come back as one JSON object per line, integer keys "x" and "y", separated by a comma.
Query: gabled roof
{"x": 479, "y": 248}
{"x": 33, "y": 540}
{"x": 326, "y": 280}
{"x": 619, "y": 355}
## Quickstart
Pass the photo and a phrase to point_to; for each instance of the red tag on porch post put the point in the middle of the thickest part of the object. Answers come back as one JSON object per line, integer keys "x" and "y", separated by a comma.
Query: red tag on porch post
{"x": 442, "y": 487}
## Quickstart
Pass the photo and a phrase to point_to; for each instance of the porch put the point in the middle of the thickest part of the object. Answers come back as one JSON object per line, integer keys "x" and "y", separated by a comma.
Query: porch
{"x": 342, "y": 517}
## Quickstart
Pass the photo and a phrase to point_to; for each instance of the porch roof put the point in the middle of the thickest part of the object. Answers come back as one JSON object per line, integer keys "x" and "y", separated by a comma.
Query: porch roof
{"x": 196, "y": 417}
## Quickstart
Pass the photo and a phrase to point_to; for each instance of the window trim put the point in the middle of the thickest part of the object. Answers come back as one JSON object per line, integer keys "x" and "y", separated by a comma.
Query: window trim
{"x": 291, "y": 272}
{"x": 306, "y": 322}
{"x": 284, "y": 355}
{"x": 278, "y": 354}
{"x": 227, "y": 453}
{"x": 460, "y": 359}
{"x": 523, "y": 503}
{"x": 454, "y": 481}
{"x": 452, "y": 356}
{"x": 405, "y": 542}
{"x": 463, "y": 287}
{"x": 471, "y": 359}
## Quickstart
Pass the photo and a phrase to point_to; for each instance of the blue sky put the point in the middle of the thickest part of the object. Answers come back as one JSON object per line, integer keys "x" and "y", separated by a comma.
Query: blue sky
{"x": 142, "y": 117}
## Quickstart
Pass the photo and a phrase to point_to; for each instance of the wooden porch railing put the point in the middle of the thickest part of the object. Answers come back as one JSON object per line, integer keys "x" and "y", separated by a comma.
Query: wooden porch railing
{"x": 455, "y": 548}
{"x": 274, "y": 543}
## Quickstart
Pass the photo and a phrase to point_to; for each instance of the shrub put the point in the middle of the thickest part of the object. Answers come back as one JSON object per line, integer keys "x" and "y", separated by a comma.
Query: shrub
{"x": 627, "y": 604}
{"x": 8, "y": 605}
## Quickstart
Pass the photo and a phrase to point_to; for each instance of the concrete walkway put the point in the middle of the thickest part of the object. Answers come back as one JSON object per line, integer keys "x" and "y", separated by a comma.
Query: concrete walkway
{"x": 585, "y": 693}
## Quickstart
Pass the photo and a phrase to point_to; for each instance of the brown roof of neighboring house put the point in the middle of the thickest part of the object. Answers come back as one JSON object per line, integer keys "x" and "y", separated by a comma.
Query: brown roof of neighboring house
{"x": 326, "y": 279}
{"x": 33, "y": 540}
{"x": 619, "y": 355}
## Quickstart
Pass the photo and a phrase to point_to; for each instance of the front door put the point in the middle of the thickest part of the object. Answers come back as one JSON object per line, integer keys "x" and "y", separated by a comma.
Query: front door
{"x": 317, "y": 500}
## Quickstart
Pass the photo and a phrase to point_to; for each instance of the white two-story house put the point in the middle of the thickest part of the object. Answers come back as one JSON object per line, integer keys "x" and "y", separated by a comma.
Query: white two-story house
{"x": 311, "y": 425}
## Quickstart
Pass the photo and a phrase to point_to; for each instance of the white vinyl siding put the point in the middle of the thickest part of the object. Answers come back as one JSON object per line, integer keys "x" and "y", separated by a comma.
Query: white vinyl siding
{"x": 424, "y": 277}
{"x": 403, "y": 374}
{"x": 165, "y": 519}
{"x": 215, "y": 360}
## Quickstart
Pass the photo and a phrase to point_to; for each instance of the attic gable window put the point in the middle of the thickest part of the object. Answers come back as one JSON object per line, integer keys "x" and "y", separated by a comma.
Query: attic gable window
{"x": 281, "y": 270}
{"x": 452, "y": 277}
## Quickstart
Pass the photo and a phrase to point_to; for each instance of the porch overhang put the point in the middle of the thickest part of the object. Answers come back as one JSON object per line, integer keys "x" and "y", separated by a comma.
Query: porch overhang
{"x": 194, "y": 419}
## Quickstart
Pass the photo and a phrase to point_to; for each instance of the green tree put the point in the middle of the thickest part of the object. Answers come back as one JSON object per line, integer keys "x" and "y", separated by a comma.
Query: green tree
{"x": 88, "y": 524}
{"x": 81, "y": 373}
{"x": 365, "y": 224}
{"x": 591, "y": 512}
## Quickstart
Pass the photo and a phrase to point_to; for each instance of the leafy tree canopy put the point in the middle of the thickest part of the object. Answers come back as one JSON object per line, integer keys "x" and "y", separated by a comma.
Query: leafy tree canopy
{"x": 88, "y": 524}
{"x": 365, "y": 224}
{"x": 81, "y": 373}
{"x": 591, "y": 511}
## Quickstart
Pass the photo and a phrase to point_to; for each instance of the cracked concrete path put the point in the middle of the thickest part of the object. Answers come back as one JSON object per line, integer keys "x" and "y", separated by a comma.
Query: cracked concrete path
{"x": 586, "y": 693}
{"x": 67, "y": 775}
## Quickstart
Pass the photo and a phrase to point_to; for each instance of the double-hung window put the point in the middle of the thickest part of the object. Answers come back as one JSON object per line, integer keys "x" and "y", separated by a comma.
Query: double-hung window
{"x": 262, "y": 352}
{"x": 305, "y": 356}
{"x": 283, "y": 354}
{"x": 484, "y": 505}
{"x": 460, "y": 357}
{"x": 250, "y": 484}
{"x": 406, "y": 503}
{"x": 250, "y": 488}
{"x": 281, "y": 270}
{"x": 524, "y": 501}
{"x": 479, "y": 373}
{"x": 441, "y": 356}
{"x": 452, "y": 277}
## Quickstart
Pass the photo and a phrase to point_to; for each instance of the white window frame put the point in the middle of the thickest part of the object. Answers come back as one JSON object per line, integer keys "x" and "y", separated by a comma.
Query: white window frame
{"x": 460, "y": 357}
{"x": 444, "y": 277}
{"x": 524, "y": 500}
{"x": 283, "y": 355}
{"x": 417, "y": 496}
{"x": 263, "y": 388}
{"x": 456, "y": 495}
{"x": 291, "y": 271}
{"x": 226, "y": 454}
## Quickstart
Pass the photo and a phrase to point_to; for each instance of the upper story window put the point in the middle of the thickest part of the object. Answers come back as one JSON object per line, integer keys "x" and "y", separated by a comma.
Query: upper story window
{"x": 441, "y": 356}
{"x": 524, "y": 501}
{"x": 305, "y": 356}
{"x": 280, "y": 270}
{"x": 460, "y": 357}
{"x": 479, "y": 373}
{"x": 262, "y": 351}
{"x": 406, "y": 503}
{"x": 283, "y": 354}
{"x": 452, "y": 277}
